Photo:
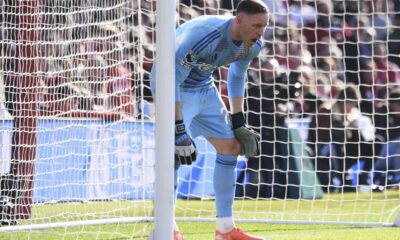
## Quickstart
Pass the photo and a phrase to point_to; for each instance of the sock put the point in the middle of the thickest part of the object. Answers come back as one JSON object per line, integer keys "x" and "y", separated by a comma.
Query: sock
{"x": 224, "y": 184}
{"x": 225, "y": 224}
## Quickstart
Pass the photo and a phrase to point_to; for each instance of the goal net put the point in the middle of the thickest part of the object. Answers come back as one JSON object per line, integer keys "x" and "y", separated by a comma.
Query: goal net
{"x": 77, "y": 120}
{"x": 77, "y": 117}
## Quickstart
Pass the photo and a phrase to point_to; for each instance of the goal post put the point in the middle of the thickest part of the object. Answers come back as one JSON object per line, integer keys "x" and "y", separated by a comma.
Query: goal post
{"x": 24, "y": 80}
{"x": 165, "y": 120}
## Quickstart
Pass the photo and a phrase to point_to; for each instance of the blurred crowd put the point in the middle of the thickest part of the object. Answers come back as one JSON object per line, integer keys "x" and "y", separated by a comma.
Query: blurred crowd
{"x": 334, "y": 65}
{"x": 331, "y": 63}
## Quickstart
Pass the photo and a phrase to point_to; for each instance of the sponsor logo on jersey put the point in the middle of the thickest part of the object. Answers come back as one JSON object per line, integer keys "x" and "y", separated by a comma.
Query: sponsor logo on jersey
{"x": 205, "y": 66}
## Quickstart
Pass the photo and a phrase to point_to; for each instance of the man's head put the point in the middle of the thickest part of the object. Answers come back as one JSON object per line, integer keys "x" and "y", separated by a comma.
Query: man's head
{"x": 251, "y": 21}
{"x": 348, "y": 98}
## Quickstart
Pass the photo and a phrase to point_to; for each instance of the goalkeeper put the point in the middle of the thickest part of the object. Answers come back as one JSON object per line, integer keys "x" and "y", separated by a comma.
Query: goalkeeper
{"x": 202, "y": 45}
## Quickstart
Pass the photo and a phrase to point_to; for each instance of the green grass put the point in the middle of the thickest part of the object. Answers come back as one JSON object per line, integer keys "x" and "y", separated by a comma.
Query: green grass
{"x": 373, "y": 207}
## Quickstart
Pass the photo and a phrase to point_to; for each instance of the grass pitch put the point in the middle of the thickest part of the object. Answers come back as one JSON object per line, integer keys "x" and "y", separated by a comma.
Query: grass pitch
{"x": 370, "y": 207}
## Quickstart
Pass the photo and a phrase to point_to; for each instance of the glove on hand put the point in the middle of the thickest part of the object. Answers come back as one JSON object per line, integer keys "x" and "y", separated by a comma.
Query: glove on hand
{"x": 185, "y": 149}
{"x": 247, "y": 138}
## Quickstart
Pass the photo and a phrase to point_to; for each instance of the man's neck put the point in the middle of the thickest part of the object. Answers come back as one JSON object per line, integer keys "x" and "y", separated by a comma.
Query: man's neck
{"x": 235, "y": 31}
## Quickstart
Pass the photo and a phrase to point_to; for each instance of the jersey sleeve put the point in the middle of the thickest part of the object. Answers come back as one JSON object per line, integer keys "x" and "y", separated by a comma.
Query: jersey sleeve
{"x": 237, "y": 73}
{"x": 183, "y": 65}
{"x": 185, "y": 60}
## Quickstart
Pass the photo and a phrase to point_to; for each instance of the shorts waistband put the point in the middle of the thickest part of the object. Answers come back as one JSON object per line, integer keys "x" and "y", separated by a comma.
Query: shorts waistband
{"x": 196, "y": 89}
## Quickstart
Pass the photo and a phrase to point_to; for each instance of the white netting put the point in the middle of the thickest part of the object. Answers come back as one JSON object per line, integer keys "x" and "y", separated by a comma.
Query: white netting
{"x": 77, "y": 113}
{"x": 318, "y": 95}
{"x": 78, "y": 119}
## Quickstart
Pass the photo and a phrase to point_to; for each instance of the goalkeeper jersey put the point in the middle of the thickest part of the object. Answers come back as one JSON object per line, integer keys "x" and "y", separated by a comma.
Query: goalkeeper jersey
{"x": 202, "y": 45}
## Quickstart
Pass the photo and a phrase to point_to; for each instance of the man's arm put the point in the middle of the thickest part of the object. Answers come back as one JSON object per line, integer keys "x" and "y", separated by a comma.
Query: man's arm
{"x": 178, "y": 112}
{"x": 236, "y": 79}
{"x": 236, "y": 105}
{"x": 247, "y": 138}
{"x": 185, "y": 59}
{"x": 185, "y": 149}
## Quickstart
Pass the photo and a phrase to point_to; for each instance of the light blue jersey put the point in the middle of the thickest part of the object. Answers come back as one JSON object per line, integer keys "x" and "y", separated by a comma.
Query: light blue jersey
{"x": 202, "y": 45}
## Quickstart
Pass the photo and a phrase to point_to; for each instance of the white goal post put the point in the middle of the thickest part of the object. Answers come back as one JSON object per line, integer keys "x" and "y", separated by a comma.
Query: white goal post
{"x": 83, "y": 142}
{"x": 165, "y": 121}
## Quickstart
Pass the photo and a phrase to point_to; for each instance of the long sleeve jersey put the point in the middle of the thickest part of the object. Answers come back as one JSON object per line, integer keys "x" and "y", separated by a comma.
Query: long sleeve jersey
{"x": 202, "y": 45}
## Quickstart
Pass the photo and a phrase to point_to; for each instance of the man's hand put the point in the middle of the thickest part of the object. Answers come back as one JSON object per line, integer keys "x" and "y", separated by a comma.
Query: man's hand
{"x": 185, "y": 149}
{"x": 247, "y": 138}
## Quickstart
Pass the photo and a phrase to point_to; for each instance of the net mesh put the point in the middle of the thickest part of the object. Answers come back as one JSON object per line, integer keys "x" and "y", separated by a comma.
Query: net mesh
{"x": 77, "y": 116}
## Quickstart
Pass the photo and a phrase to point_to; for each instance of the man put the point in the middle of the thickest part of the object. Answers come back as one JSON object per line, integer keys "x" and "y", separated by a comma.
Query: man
{"x": 204, "y": 44}
{"x": 386, "y": 168}
{"x": 338, "y": 135}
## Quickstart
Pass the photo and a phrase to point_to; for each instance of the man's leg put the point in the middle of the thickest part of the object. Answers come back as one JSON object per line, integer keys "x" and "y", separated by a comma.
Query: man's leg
{"x": 212, "y": 122}
{"x": 224, "y": 187}
{"x": 224, "y": 180}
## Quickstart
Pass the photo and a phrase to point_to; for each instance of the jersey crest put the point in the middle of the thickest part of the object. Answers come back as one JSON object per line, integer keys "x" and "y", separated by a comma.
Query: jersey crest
{"x": 188, "y": 60}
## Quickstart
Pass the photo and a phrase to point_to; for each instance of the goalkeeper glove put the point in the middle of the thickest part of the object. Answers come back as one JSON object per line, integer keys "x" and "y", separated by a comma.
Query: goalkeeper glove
{"x": 247, "y": 138}
{"x": 185, "y": 149}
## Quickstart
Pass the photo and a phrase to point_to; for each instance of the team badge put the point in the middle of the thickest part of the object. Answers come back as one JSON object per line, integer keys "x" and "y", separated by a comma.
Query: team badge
{"x": 188, "y": 60}
{"x": 190, "y": 57}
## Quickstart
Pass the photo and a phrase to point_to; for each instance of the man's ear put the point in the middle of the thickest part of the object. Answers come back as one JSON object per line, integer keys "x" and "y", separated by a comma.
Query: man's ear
{"x": 239, "y": 18}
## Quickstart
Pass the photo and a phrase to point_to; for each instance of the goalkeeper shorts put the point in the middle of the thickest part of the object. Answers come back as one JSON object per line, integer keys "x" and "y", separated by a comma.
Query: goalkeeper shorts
{"x": 204, "y": 113}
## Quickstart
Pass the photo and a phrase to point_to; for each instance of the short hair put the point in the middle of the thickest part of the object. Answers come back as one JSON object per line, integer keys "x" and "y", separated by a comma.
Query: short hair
{"x": 252, "y": 7}
{"x": 349, "y": 93}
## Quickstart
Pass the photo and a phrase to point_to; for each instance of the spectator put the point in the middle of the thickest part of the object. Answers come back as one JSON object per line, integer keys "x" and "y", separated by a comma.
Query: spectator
{"x": 334, "y": 138}
{"x": 302, "y": 13}
{"x": 329, "y": 59}
{"x": 379, "y": 19}
{"x": 278, "y": 16}
{"x": 387, "y": 119}
{"x": 315, "y": 92}
{"x": 298, "y": 54}
{"x": 377, "y": 77}
{"x": 387, "y": 73}
{"x": 357, "y": 49}
{"x": 267, "y": 104}
{"x": 386, "y": 170}
{"x": 120, "y": 91}
{"x": 328, "y": 68}
{"x": 324, "y": 30}
{"x": 290, "y": 51}
{"x": 394, "y": 40}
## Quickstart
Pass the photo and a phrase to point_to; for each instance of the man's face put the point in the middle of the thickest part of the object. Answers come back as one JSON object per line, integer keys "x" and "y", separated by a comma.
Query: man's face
{"x": 252, "y": 27}
{"x": 349, "y": 105}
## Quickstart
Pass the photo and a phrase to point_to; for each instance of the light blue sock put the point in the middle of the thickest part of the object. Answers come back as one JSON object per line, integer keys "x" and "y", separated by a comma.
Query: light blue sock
{"x": 224, "y": 184}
